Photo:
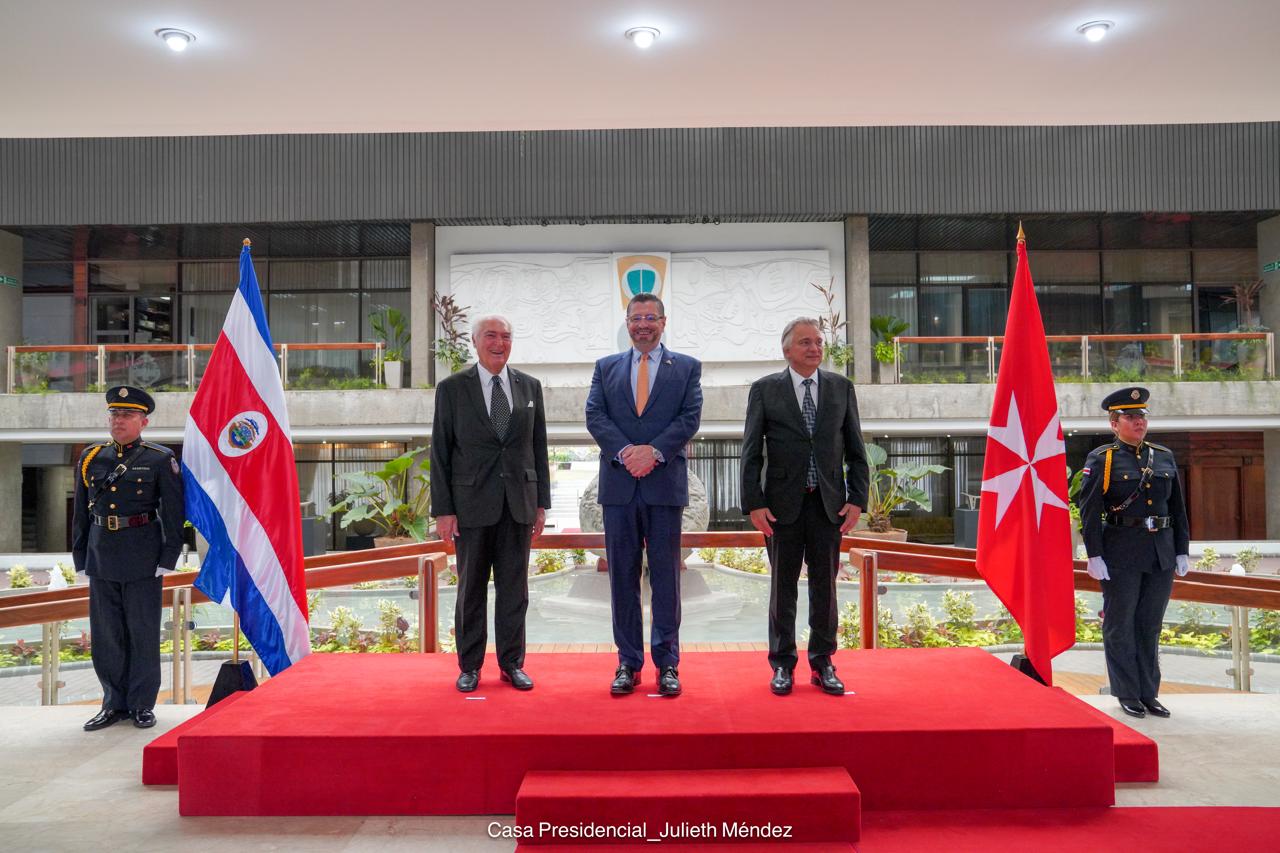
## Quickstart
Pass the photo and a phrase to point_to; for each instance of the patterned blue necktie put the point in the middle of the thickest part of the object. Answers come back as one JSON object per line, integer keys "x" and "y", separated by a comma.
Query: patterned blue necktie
{"x": 810, "y": 412}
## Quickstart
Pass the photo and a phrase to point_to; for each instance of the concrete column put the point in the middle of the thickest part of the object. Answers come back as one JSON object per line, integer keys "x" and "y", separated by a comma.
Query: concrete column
{"x": 857, "y": 295}
{"x": 11, "y": 498}
{"x": 10, "y": 294}
{"x": 1269, "y": 304}
{"x": 1271, "y": 456}
{"x": 422, "y": 293}
{"x": 57, "y": 483}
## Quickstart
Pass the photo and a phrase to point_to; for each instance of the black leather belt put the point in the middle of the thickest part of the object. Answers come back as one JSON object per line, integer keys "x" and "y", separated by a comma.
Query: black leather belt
{"x": 1150, "y": 522}
{"x": 116, "y": 522}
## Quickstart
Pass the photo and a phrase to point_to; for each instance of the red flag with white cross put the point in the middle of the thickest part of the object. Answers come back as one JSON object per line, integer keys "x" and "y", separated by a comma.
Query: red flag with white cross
{"x": 1024, "y": 526}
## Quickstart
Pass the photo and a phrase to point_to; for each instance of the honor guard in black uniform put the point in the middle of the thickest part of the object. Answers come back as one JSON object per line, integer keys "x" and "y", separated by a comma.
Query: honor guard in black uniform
{"x": 127, "y": 531}
{"x": 1136, "y": 534}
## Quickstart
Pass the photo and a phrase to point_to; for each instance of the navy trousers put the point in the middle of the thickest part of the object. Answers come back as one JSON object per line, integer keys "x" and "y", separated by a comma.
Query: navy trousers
{"x": 124, "y": 627}
{"x": 1133, "y": 605}
{"x": 631, "y": 530}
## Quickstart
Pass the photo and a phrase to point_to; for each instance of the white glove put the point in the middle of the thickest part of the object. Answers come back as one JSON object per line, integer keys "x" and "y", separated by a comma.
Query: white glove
{"x": 161, "y": 571}
{"x": 1183, "y": 565}
{"x": 1098, "y": 569}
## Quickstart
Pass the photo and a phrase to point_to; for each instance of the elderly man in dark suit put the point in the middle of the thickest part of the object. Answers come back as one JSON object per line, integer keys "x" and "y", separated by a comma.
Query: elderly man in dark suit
{"x": 644, "y": 406}
{"x": 490, "y": 492}
{"x": 804, "y": 484}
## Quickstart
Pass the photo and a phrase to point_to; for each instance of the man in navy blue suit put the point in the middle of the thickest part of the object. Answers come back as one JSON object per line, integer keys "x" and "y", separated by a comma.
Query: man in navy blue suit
{"x": 644, "y": 407}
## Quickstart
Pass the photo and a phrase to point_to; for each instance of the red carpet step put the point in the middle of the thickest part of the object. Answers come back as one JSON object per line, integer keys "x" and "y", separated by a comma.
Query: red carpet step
{"x": 1165, "y": 830}
{"x": 389, "y": 734}
{"x": 690, "y": 847}
{"x": 160, "y": 757}
{"x": 1137, "y": 756}
{"x": 777, "y": 806}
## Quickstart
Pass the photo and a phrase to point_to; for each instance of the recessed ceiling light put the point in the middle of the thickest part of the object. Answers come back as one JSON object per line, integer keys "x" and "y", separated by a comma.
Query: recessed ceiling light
{"x": 177, "y": 40}
{"x": 642, "y": 37}
{"x": 1095, "y": 30}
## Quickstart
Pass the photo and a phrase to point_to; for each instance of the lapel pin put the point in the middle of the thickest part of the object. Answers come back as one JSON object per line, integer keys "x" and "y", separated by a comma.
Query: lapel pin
{"x": 529, "y": 405}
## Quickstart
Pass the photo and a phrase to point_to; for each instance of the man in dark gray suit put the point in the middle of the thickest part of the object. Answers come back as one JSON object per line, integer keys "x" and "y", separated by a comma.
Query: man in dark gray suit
{"x": 490, "y": 491}
{"x": 804, "y": 484}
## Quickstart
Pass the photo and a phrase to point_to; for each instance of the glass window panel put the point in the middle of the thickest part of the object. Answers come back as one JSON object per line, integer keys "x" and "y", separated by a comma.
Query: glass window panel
{"x": 219, "y": 276}
{"x": 298, "y": 318}
{"x": 385, "y": 274}
{"x": 1070, "y": 310}
{"x": 1224, "y": 231}
{"x": 893, "y": 267}
{"x": 963, "y": 268}
{"x": 376, "y": 303}
{"x": 47, "y": 244}
{"x": 988, "y": 309}
{"x": 1225, "y": 266}
{"x": 1150, "y": 309}
{"x": 130, "y": 242}
{"x": 384, "y": 238}
{"x": 120, "y": 277}
{"x": 963, "y": 232}
{"x": 1143, "y": 266}
{"x": 315, "y": 241}
{"x": 1064, "y": 267}
{"x": 1056, "y": 232}
{"x": 46, "y": 320}
{"x": 203, "y": 316}
{"x": 315, "y": 275}
{"x": 47, "y": 277}
{"x": 941, "y": 311}
{"x": 1155, "y": 231}
{"x": 223, "y": 241}
{"x": 897, "y": 302}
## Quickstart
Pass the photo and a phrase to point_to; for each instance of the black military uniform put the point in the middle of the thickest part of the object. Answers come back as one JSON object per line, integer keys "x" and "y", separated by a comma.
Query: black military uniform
{"x": 1134, "y": 518}
{"x": 127, "y": 527}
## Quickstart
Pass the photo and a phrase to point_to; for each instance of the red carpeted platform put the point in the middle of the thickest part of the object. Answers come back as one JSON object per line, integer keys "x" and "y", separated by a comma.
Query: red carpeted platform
{"x": 1137, "y": 756}
{"x": 1076, "y": 830}
{"x": 388, "y": 734}
{"x": 811, "y": 804}
{"x": 160, "y": 757}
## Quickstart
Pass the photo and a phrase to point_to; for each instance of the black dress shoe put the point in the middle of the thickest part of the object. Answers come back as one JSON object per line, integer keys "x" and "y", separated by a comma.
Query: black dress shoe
{"x": 624, "y": 681}
{"x": 144, "y": 718}
{"x": 781, "y": 684}
{"x": 469, "y": 681}
{"x": 105, "y": 717}
{"x": 517, "y": 679}
{"x": 825, "y": 677}
{"x": 669, "y": 682}
{"x": 1155, "y": 708}
{"x": 1133, "y": 707}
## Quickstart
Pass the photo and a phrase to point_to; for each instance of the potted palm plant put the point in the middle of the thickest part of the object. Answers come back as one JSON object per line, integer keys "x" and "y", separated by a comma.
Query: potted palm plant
{"x": 389, "y": 326}
{"x": 886, "y": 327}
{"x": 893, "y": 489}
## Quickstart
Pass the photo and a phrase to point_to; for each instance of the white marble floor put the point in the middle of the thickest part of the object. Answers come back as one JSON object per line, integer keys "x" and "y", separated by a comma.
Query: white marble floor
{"x": 62, "y": 789}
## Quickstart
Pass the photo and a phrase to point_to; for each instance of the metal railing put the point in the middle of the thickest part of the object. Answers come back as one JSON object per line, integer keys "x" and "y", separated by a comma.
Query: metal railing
{"x": 93, "y": 367}
{"x": 426, "y": 560}
{"x": 976, "y": 358}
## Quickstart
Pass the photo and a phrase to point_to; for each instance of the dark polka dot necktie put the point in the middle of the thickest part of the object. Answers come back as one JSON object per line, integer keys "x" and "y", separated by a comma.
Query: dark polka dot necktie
{"x": 499, "y": 409}
{"x": 810, "y": 412}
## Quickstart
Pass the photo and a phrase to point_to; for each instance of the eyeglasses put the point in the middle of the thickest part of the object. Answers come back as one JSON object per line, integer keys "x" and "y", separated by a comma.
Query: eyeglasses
{"x": 645, "y": 318}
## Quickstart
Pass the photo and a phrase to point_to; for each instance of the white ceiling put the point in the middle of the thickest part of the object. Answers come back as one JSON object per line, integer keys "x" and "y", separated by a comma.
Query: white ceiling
{"x": 94, "y": 67}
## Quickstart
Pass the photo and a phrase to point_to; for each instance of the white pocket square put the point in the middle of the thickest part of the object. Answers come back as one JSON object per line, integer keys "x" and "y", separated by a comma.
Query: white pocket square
{"x": 530, "y": 405}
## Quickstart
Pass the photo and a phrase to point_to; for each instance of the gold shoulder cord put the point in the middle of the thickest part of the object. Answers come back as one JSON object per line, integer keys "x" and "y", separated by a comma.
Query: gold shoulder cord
{"x": 1106, "y": 471}
{"x": 84, "y": 466}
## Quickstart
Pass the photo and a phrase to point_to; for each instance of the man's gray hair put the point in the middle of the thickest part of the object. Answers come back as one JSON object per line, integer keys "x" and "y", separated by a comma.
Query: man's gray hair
{"x": 478, "y": 326}
{"x": 791, "y": 327}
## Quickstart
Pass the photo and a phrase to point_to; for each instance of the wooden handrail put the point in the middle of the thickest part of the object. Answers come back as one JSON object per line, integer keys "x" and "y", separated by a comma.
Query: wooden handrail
{"x": 127, "y": 348}
{"x": 1066, "y": 339}
{"x": 344, "y": 568}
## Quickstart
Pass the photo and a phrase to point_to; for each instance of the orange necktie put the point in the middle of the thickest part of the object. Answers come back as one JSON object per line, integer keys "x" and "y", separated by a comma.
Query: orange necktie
{"x": 642, "y": 385}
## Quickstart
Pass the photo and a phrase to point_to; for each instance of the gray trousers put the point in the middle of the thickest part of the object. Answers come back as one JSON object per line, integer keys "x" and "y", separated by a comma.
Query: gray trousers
{"x": 124, "y": 627}
{"x": 1133, "y": 605}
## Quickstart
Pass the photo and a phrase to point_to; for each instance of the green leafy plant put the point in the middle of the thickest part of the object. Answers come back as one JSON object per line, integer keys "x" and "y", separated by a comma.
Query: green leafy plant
{"x": 1265, "y": 634}
{"x": 707, "y": 555}
{"x": 68, "y": 573}
{"x": 23, "y": 652}
{"x": 750, "y": 560}
{"x": 548, "y": 561}
{"x": 834, "y": 349}
{"x": 390, "y": 327}
{"x": 451, "y": 347}
{"x": 579, "y": 556}
{"x": 396, "y": 497}
{"x": 391, "y": 622}
{"x": 345, "y": 625}
{"x": 894, "y": 489}
{"x": 1208, "y": 561}
{"x": 1086, "y": 631}
{"x": 1248, "y": 557}
{"x": 886, "y": 327}
{"x": 19, "y": 577}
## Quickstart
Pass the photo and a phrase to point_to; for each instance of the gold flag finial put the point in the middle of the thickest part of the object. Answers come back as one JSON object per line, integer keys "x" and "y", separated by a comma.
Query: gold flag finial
{"x": 1022, "y": 238}
{"x": 249, "y": 242}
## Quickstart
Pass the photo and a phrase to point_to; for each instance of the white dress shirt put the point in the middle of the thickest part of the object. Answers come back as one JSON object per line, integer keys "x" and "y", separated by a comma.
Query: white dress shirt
{"x": 486, "y": 385}
{"x": 798, "y": 381}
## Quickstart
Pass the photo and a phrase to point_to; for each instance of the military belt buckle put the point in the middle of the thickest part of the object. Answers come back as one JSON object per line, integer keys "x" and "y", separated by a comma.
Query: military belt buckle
{"x": 1150, "y": 521}
{"x": 113, "y": 522}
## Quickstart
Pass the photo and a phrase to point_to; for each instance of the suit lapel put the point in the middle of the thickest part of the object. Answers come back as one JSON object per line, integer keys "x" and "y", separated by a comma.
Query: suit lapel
{"x": 788, "y": 390}
{"x": 621, "y": 379}
{"x": 826, "y": 401}
{"x": 519, "y": 401}
{"x": 471, "y": 382}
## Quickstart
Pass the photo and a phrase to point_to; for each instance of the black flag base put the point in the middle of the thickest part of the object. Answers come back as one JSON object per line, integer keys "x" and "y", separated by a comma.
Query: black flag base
{"x": 1018, "y": 662}
{"x": 232, "y": 678}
